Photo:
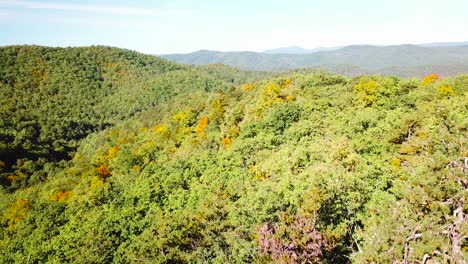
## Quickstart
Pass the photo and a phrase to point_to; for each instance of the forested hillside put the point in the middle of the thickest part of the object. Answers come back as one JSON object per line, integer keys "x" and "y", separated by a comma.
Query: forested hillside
{"x": 53, "y": 97}
{"x": 111, "y": 156}
{"x": 399, "y": 60}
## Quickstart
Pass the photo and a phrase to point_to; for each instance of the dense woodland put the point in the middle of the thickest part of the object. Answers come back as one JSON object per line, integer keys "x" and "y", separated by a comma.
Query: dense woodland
{"x": 112, "y": 156}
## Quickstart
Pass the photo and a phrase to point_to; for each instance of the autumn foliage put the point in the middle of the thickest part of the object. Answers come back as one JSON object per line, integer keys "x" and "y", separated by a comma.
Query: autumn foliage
{"x": 201, "y": 127}
{"x": 286, "y": 84}
{"x": 62, "y": 196}
{"x": 445, "y": 90}
{"x": 17, "y": 211}
{"x": 112, "y": 151}
{"x": 366, "y": 90}
{"x": 431, "y": 78}
{"x": 103, "y": 170}
{"x": 185, "y": 166}
{"x": 226, "y": 141}
{"x": 247, "y": 87}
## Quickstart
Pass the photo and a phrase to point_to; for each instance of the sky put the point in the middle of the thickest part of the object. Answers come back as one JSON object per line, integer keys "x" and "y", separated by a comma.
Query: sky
{"x": 182, "y": 26}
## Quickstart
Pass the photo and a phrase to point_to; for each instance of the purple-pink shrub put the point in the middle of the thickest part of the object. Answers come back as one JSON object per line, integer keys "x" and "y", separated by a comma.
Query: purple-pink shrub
{"x": 294, "y": 242}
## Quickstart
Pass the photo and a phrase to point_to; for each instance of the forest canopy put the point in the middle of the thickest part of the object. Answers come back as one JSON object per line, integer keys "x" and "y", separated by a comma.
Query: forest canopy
{"x": 112, "y": 156}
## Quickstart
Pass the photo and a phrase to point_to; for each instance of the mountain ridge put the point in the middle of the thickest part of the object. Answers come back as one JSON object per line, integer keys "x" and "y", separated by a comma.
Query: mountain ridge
{"x": 300, "y": 50}
{"x": 370, "y": 58}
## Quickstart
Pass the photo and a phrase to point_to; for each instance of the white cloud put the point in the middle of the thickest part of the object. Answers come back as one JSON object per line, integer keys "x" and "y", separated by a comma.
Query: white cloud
{"x": 94, "y": 8}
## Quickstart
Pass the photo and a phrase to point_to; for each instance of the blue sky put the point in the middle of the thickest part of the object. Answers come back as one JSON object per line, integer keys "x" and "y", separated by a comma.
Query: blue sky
{"x": 180, "y": 26}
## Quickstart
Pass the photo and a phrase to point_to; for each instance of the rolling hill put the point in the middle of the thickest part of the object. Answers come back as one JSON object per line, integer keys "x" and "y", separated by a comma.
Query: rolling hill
{"x": 54, "y": 97}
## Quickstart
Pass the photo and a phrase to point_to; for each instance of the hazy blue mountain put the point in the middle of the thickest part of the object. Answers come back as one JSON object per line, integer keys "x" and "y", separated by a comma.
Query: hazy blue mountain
{"x": 444, "y": 44}
{"x": 298, "y": 50}
{"x": 360, "y": 58}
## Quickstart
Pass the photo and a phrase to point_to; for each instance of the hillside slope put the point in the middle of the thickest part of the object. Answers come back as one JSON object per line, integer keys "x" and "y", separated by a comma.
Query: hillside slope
{"x": 54, "y": 97}
{"x": 217, "y": 165}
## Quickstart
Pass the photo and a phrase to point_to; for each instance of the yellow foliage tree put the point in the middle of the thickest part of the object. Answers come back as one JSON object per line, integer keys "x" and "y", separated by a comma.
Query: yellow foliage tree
{"x": 12, "y": 177}
{"x": 227, "y": 142}
{"x": 366, "y": 90}
{"x": 286, "y": 84}
{"x": 62, "y": 196}
{"x": 201, "y": 127}
{"x": 247, "y": 87}
{"x": 112, "y": 151}
{"x": 270, "y": 95}
{"x": 182, "y": 124}
{"x": 431, "y": 78}
{"x": 216, "y": 111}
{"x": 162, "y": 130}
{"x": 16, "y": 212}
{"x": 218, "y": 106}
{"x": 445, "y": 90}
{"x": 96, "y": 182}
{"x": 181, "y": 117}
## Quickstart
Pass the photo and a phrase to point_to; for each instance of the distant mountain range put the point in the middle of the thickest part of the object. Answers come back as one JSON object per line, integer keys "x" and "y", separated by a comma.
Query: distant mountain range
{"x": 298, "y": 50}
{"x": 444, "y": 44}
{"x": 446, "y": 58}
